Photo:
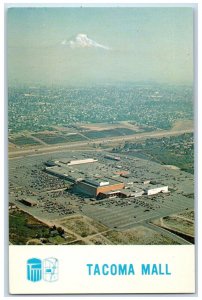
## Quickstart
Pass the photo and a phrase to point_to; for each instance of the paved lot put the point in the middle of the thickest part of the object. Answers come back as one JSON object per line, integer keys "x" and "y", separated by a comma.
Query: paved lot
{"x": 27, "y": 179}
{"x": 137, "y": 211}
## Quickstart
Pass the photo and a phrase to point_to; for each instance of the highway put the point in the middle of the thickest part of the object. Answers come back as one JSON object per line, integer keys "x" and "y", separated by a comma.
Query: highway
{"x": 75, "y": 145}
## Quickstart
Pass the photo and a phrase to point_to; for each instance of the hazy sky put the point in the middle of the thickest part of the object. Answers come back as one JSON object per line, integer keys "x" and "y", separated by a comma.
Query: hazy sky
{"x": 85, "y": 46}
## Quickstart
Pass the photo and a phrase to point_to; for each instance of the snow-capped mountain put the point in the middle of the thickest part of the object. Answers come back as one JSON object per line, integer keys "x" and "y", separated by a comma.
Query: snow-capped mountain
{"x": 81, "y": 40}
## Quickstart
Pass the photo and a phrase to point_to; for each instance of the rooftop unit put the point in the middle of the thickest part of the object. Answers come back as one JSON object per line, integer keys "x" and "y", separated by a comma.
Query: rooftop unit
{"x": 97, "y": 182}
{"x": 81, "y": 161}
{"x": 28, "y": 202}
{"x": 117, "y": 158}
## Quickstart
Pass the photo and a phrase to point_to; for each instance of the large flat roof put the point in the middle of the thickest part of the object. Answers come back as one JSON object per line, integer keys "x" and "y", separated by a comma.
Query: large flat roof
{"x": 96, "y": 181}
{"x": 154, "y": 186}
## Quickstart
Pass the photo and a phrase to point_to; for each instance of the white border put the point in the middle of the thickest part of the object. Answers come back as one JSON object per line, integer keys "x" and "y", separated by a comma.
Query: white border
{"x": 3, "y": 189}
{"x": 176, "y": 261}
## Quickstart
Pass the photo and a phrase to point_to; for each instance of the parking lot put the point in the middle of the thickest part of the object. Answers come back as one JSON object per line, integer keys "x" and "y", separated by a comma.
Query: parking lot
{"x": 27, "y": 179}
{"x": 131, "y": 212}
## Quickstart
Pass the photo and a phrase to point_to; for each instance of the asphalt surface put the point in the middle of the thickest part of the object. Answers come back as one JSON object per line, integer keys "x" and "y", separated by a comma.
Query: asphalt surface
{"x": 26, "y": 179}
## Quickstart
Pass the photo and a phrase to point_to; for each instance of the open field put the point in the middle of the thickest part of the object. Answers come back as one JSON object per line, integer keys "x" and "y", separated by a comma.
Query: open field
{"x": 108, "y": 126}
{"x": 108, "y": 133}
{"x": 53, "y": 138}
{"x": 23, "y": 141}
{"x": 82, "y": 226}
{"x": 100, "y": 239}
{"x": 138, "y": 236}
{"x": 188, "y": 214}
{"x": 177, "y": 223}
{"x": 75, "y": 134}
{"x": 101, "y": 142}
{"x": 183, "y": 124}
{"x": 78, "y": 242}
{"x": 50, "y": 138}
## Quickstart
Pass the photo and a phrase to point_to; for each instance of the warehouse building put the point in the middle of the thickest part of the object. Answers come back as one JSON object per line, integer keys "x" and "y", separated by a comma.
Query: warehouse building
{"x": 93, "y": 187}
{"x": 28, "y": 202}
{"x": 116, "y": 158}
{"x": 100, "y": 180}
{"x": 122, "y": 193}
{"x": 133, "y": 191}
{"x": 155, "y": 189}
{"x": 76, "y": 162}
{"x": 63, "y": 173}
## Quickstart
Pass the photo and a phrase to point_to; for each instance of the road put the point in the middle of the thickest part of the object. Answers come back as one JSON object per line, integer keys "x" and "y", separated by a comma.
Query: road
{"x": 75, "y": 145}
{"x": 163, "y": 231}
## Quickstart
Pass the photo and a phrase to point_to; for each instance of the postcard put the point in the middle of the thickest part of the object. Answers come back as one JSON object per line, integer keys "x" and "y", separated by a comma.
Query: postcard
{"x": 101, "y": 149}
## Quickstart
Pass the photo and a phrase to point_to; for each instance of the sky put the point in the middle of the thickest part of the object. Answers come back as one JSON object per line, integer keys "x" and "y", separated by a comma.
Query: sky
{"x": 87, "y": 46}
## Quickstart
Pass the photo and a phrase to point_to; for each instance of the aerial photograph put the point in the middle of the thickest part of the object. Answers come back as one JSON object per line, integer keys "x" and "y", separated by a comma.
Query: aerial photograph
{"x": 100, "y": 104}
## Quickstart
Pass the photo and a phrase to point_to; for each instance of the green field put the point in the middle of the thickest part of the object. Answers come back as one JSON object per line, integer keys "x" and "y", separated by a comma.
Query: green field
{"x": 74, "y": 138}
{"x": 50, "y": 138}
{"x": 23, "y": 140}
{"x": 108, "y": 133}
{"x": 57, "y": 138}
{"x": 25, "y": 229}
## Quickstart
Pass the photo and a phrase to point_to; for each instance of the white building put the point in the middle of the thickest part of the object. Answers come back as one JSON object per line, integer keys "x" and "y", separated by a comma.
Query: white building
{"x": 155, "y": 189}
{"x": 81, "y": 161}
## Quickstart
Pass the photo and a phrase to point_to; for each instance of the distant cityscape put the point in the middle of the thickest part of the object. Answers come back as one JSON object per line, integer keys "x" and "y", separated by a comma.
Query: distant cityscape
{"x": 150, "y": 106}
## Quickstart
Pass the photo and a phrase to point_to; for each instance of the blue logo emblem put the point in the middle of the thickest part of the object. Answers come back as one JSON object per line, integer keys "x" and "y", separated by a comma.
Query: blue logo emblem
{"x": 34, "y": 269}
{"x": 46, "y": 269}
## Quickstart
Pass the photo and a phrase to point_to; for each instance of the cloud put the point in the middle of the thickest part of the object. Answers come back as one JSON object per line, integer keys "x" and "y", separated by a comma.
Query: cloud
{"x": 81, "y": 40}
